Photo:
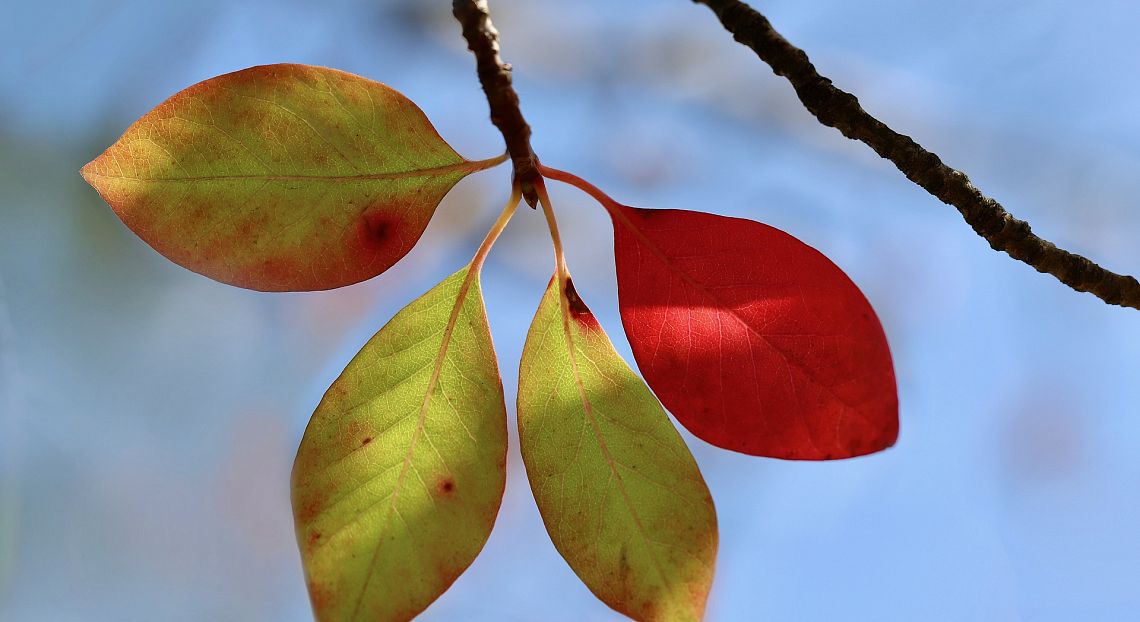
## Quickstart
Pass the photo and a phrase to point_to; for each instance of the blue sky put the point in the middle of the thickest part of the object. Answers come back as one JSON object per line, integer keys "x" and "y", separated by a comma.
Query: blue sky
{"x": 150, "y": 415}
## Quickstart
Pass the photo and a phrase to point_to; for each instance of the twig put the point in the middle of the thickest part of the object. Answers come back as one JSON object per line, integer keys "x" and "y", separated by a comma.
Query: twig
{"x": 841, "y": 110}
{"x": 495, "y": 77}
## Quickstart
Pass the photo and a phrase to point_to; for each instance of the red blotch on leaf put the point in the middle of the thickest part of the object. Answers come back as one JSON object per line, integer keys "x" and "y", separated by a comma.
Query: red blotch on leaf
{"x": 321, "y": 596}
{"x": 755, "y": 341}
{"x": 312, "y": 506}
{"x": 377, "y": 239}
{"x": 375, "y": 227}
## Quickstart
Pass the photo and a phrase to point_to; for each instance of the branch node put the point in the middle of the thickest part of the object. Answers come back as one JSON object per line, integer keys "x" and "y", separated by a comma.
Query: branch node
{"x": 495, "y": 77}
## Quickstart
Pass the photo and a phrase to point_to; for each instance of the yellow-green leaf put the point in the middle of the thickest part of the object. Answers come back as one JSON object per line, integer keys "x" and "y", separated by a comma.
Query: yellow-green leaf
{"x": 281, "y": 177}
{"x": 619, "y": 492}
{"x": 401, "y": 471}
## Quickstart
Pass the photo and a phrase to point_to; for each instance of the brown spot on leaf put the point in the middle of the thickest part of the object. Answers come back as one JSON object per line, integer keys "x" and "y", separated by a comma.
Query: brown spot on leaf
{"x": 578, "y": 309}
{"x": 445, "y": 485}
{"x": 356, "y": 434}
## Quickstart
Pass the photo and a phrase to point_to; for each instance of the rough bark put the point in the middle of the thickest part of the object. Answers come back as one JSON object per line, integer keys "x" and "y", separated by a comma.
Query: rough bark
{"x": 839, "y": 109}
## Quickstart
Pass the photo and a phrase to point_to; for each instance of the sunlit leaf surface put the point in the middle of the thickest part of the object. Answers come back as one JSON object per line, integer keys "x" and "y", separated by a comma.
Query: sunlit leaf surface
{"x": 400, "y": 473}
{"x": 281, "y": 177}
{"x": 619, "y": 492}
{"x": 755, "y": 341}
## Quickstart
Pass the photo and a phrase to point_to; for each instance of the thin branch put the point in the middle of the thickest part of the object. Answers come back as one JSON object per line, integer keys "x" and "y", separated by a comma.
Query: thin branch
{"x": 495, "y": 77}
{"x": 841, "y": 110}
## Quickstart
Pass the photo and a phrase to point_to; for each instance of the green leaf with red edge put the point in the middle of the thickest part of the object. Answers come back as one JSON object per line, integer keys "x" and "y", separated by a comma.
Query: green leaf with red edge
{"x": 281, "y": 177}
{"x": 755, "y": 341}
{"x": 620, "y": 494}
{"x": 401, "y": 471}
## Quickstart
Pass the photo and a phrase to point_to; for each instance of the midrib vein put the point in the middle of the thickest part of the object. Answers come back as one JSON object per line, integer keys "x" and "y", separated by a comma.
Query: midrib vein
{"x": 466, "y": 166}
{"x": 437, "y": 369}
{"x": 588, "y": 410}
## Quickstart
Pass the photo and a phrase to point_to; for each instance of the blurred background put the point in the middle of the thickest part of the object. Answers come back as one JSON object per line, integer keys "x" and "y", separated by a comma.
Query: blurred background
{"x": 149, "y": 416}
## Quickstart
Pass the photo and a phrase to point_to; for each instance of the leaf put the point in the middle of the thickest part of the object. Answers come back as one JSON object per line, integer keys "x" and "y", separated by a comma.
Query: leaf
{"x": 620, "y": 494}
{"x": 281, "y": 177}
{"x": 401, "y": 471}
{"x": 755, "y": 341}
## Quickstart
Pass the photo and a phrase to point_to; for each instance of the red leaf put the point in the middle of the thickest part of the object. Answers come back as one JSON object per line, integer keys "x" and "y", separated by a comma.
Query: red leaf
{"x": 754, "y": 340}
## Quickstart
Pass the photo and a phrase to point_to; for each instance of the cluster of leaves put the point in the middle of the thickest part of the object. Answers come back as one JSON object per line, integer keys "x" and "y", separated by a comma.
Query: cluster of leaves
{"x": 290, "y": 177}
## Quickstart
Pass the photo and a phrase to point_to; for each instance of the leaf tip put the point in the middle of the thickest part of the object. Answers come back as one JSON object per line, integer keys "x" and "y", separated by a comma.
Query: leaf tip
{"x": 94, "y": 173}
{"x": 89, "y": 174}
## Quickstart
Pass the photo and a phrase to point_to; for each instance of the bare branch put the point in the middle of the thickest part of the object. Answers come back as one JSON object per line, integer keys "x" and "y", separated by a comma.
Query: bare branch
{"x": 495, "y": 77}
{"x": 841, "y": 110}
